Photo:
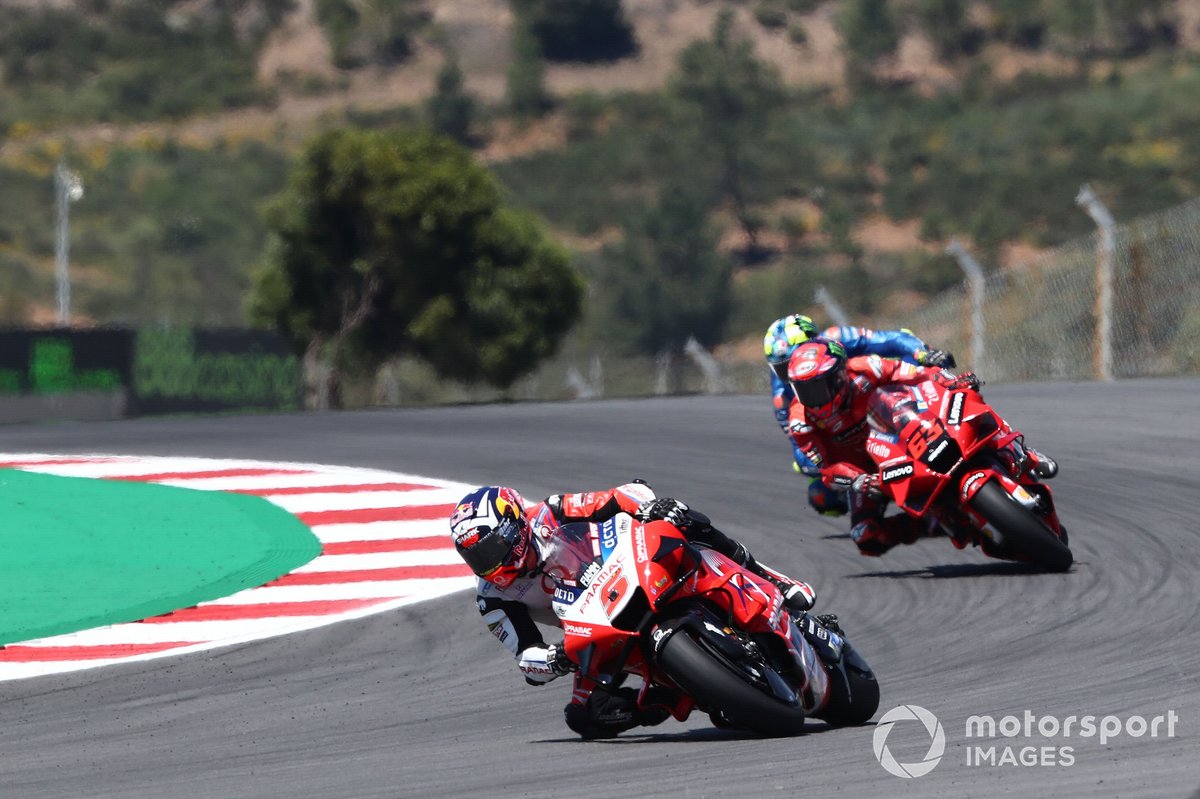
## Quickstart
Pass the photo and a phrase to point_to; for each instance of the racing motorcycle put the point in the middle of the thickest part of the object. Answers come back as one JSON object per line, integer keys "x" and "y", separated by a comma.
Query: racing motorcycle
{"x": 640, "y": 598}
{"x": 944, "y": 455}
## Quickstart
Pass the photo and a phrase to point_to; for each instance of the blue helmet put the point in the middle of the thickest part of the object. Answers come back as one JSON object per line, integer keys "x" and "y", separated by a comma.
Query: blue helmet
{"x": 783, "y": 337}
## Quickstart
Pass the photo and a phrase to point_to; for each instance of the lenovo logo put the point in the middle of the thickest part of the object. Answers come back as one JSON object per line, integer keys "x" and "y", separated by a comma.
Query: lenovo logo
{"x": 956, "y": 407}
{"x": 897, "y": 473}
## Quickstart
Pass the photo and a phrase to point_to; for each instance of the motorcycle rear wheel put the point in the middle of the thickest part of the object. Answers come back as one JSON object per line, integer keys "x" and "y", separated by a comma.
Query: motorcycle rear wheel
{"x": 720, "y": 687}
{"x": 1024, "y": 534}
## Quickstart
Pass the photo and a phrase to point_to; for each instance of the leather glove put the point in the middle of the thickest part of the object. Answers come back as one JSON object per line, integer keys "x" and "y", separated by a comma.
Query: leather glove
{"x": 967, "y": 380}
{"x": 868, "y": 485}
{"x": 937, "y": 358}
{"x": 665, "y": 508}
{"x": 557, "y": 660}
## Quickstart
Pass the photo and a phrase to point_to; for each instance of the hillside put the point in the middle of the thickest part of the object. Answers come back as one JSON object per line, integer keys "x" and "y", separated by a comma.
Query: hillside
{"x": 295, "y": 63}
{"x": 978, "y": 141}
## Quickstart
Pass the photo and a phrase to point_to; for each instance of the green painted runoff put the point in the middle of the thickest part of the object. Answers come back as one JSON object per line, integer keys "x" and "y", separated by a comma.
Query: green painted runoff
{"x": 77, "y": 553}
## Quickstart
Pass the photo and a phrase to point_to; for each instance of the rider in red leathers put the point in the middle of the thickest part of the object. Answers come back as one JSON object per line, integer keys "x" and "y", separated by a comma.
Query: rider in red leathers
{"x": 503, "y": 541}
{"x": 829, "y": 424}
{"x": 786, "y": 334}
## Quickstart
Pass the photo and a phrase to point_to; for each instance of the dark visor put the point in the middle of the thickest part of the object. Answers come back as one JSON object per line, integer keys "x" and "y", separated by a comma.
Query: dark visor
{"x": 820, "y": 391}
{"x": 493, "y": 547}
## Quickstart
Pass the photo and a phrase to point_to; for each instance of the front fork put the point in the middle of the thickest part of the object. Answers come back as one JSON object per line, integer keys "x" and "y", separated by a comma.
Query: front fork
{"x": 804, "y": 638}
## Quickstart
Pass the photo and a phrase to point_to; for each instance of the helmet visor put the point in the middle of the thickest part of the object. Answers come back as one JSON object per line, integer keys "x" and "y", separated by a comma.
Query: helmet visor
{"x": 821, "y": 390}
{"x": 494, "y": 547}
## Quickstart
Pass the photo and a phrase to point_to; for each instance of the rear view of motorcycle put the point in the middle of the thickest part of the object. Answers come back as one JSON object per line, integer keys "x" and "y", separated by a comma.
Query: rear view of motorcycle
{"x": 640, "y": 599}
{"x": 946, "y": 456}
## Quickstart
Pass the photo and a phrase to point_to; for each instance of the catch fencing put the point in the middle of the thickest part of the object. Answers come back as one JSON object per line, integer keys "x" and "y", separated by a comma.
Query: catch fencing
{"x": 1043, "y": 320}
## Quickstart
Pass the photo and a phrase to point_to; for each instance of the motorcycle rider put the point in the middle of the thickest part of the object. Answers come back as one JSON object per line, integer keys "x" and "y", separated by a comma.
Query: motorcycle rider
{"x": 789, "y": 332}
{"x": 829, "y": 424}
{"x": 503, "y": 542}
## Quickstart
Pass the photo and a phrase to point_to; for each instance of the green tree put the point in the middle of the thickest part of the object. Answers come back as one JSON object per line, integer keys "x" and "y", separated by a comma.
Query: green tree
{"x": 397, "y": 243}
{"x": 736, "y": 96}
{"x": 364, "y": 32}
{"x": 578, "y": 30}
{"x": 666, "y": 281}
{"x": 945, "y": 23}
{"x": 526, "y": 79}
{"x": 870, "y": 33}
{"x": 1120, "y": 27}
{"x": 450, "y": 108}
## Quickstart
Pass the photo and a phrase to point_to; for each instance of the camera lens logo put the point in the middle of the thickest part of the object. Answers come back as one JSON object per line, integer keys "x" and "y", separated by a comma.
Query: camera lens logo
{"x": 937, "y": 741}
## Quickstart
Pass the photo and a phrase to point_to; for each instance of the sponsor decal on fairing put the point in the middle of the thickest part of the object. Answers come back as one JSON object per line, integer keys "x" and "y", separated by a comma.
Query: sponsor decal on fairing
{"x": 972, "y": 484}
{"x": 957, "y": 399}
{"x": 918, "y": 399}
{"x": 608, "y": 537}
{"x": 895, "y": 473}
{"x": 589, "y": 574}
{"x": 877, "y": 448}
{"x": 565, "y": 595}
{"x": 930, "y": 392}
{"x": 933, "y": 454}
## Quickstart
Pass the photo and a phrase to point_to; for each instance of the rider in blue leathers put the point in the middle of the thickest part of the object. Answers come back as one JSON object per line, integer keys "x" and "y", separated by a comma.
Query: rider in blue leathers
{"x": 786, "y": 334}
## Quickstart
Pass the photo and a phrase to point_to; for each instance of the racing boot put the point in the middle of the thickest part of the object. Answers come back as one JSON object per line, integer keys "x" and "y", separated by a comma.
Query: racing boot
{"x": 876, "y": 536}
{"x": 798, "y": 596}
{"x": 830, "y": 622}
{"x": 825, "y": 501}
{"x": 1020, "y": 458}
{"x": 1044, "y": 466}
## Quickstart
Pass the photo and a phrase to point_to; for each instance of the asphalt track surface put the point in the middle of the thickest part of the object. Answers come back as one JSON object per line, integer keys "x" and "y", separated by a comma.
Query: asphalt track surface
{"x": 422, "y": 702}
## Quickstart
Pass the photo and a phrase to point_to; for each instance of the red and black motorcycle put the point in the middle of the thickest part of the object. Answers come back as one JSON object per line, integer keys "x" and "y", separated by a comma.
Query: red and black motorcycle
{"x": 945, "y": 455}
{"x": 642, "y": 599}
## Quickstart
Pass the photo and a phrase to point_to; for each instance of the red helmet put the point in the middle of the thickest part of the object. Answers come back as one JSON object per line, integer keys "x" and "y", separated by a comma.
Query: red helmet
{"x": 493, "y": 536}
{"x": 817, "y": 372}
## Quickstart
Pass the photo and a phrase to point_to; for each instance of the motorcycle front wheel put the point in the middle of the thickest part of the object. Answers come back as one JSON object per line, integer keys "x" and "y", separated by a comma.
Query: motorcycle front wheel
{"x": 720, "y": 687}
{"x": 1024, "y": 535}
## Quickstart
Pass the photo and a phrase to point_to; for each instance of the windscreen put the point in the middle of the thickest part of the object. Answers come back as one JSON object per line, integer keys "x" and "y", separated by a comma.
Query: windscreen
{"x": 570, "y": 552}
{"x": 891, "y": 408}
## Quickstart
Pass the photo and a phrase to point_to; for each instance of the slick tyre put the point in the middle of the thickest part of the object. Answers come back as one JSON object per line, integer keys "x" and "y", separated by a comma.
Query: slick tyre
{"x": 721, "y": 688}
{"x": 1025, "y": 536}
{"x": 853, "y": 699}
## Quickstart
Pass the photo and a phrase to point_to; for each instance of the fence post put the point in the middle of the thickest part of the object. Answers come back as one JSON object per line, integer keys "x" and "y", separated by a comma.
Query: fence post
{"x": 834, "y": 310}
{"x": 68, "y": 188}
{"x": 574, "y": 380}
{"x": 976, "y": 287}
{"x": 1102, "y": 347}
{"x": 707, "y": 363}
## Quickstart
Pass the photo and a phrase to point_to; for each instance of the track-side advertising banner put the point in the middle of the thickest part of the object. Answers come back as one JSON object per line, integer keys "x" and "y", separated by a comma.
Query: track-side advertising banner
{"x": 160, "y": 370}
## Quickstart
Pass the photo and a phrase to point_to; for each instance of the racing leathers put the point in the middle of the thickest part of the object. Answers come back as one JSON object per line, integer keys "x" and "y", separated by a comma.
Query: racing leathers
{"x": 901, "y": 344}
{"x": 836, "y": 446}
{"x": 512, "y": 613}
